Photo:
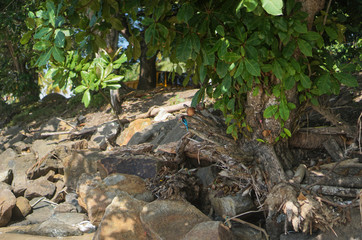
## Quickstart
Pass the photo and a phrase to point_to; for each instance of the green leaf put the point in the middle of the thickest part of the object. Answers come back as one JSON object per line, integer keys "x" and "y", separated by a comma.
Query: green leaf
{"x": 273, "y": 7}
{"x": 231, "y": 57}
{"x": 51, "y": 12}
{"x": 288, "y": 50}
{"x": 30, "y": 23}
{"x": 147, "y": 21}
{"x": 289, "y": 83}
{"x": 41, "y": 45}
{"x": 221, "y": 68}
{"x": 86, "y": 98}
{"x": 251, "y": 52}
{"x": 289, "y": 134}
{"x": 252, "y": 67}
{"x": 26, "y": 37}
{"x": 185, "y": 13}
{"x": 305, "y": 81}
{"x": 226, "y": 84}
{"x": 270, "y": 111}
{"x": 305, "y": 47}
{"x": 116, "y": 24}
{"x": 346, "y": 79}
{"x": 324, "y": 84}
{"x": 112, "y": 78}
{"x": 195, "y": 42}
{"x": 184, "y": 49}
{"x": 284, "y": 110}
{"x": 277, "y": 70}
{"x": 197, "y": 97}
{"x": 250, "y": 5}
{"x": 289, "y": 6}
{"x": 114, "y": 86}
{"x": 80, "y": 88}
{"x": 43, "y": 59}
{"x": 311, "y": 36}
{"x": 333, "y": 35}
{"x": 58, "y": 54}
{"x": 300, "y": 27}
{"x": 59, "y": 39}
{"x": 239, "y": 70}
{"x": 162, "y": 29}
{"x": 43, "y": 31}
{"x": 202, "y": 73}
{"x": 220, "y": 30}
{"x": 231, "y": 105}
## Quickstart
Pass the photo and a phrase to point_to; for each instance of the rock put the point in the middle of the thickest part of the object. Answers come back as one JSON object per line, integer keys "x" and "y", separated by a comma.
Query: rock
{"x": 7, "y": 203}
{"x": 6, "y": 176}
{"x": 159, "y": 133}
{"x": 96, "y": 194}
{"x": 40, "y": 187}
{"x": 7, "y": 159}
{"x": 207, "y": 175}
{"x": 20, "y": 166}
{"x": 41, "y": 212}
{"x": 50, "y": 126}
{"x": 17, "y": 138}
{"x": 245, "y": 232}
{"x": 230, "y": 205}
{"x": 106, "y": 133}
{"x": 43, "y": 147}
{"x": 72, "y": 198}
{"x": 4, "y": 186}
{"x": 76, "y": 164}
{"x": 140, "y": 165}
{"x": 21, "y": 209}
{"x": 20, "y": 147}
{"x": 59, "y": 195}
{"x": 211, "y": 230}
{"x": 121, "y": 220}
{"x": 168, "y": 219}
{"x": 54, "y": 228}
{"x": 12, "y": 130}
{"x": 65, "y": 208}
{"x": 134, "y": 127}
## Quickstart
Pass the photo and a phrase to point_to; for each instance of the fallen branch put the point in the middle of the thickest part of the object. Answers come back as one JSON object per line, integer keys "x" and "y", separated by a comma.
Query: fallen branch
{"x": 227, "y": 220}
{"x": 334, "y": 191}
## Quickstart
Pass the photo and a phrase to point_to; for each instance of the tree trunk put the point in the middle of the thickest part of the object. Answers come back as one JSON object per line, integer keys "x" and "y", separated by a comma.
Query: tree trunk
{"x": 147, "y": 78}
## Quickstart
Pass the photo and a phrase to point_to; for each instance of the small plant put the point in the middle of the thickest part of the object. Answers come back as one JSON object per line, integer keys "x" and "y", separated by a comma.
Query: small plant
{"x": 99, "y": 75}
{"x": 176, "y": 100}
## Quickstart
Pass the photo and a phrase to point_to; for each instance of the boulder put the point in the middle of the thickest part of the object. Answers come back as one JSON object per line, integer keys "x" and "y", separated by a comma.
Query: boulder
{"x": 65, "y": 208}
{"x": 134, "y": 127}
{"x": 76, "y": 164}
{"x": 230, "y": 205}
{"x": 121, "y": 220}
{"x": 20, "y": 147}
{"x": 21, "y": 209}
{"x": 210, "y": 230}
{"x": 244, "y": 232}
{"x": 166, "y": 219}
{"x": 43, "y": 147}
{"x": 140, "y": 165}
{"x": 20, "y": 166}
{"x": 6, "y": 176}
{"x": 4, "y": 186}
{"x": 106, "y": 133}
{"x": 159, "y": 133}
{"x": 96, "y": 194}
{"x": 40, "y": 187}
{"x": 7, "y": 203}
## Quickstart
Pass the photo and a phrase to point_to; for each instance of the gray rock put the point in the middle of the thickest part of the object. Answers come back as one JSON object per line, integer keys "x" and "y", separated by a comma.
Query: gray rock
{"x": 12, "y": 130}
{"x": 167, "y": 219}
{"x": 106, "y": 133}
{"x": 230, "y": 205}
{"x": 4, "y": 186}
{"x": 7, "y": 159}
{"x": 159, "y": 133}
{"x": 65, "y": 208}
{"x": 207, "y": 175}
{"x": 245, "y": 232}
{"x": 20, "y": 166}
{"x": 7, "y": 203}
{"x": 70, "y": 218}
{"x": 210, "y": 230}
{"x": 43, "y": 147}
{"x": 6, "y": 176}
{"x": 20, "y": 146}
{"x": 17, "y": 138}
{"x": 54, "y": 228}
{"x": 40, "y": 187}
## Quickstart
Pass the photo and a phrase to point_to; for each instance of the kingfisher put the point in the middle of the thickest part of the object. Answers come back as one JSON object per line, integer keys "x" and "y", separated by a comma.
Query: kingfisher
{"x": 184, "y": 121}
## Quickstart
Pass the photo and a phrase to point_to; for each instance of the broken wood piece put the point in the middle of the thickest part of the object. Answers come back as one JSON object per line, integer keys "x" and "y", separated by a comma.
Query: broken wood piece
{"x": 354, "y": 163}
{"x": 333, "y": 149}
{"x": 299, "y": 174}
{"x": 72, "y": 132}
{"x": 333, "y": 179}
{"x": 335, "y": 191}
{"x": 180, "y": 149}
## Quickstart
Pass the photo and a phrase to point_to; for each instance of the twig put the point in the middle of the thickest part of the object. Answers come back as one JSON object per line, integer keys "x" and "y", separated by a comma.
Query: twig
{"x": 324, "y": 177}
{"x": 359, "y": 123}
{"x": 247, "y": 223}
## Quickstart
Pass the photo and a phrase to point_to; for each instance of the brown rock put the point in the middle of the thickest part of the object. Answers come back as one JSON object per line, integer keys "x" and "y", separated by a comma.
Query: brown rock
{"x": 121, "y": 220}
{"x": 7, "y": 203}
{"x": 210, "y": 230}
{"x": 40, "y": 187}
{"x": 135, "y": 126}
{"x": 22, "y": 208}
{"x": 171, "y": 219}
{"x": 95, "y": 195}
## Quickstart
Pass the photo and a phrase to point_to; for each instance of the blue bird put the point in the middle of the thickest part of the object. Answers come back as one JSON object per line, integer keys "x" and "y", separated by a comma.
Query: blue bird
{"x": 184, "y": 121}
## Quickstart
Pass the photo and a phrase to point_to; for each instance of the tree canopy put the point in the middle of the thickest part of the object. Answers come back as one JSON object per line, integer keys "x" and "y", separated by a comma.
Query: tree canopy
{"x": 237, "y": 51}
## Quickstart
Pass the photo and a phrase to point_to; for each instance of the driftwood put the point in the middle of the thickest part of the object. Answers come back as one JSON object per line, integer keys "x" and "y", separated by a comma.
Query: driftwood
{"x": 73, "y": 134}
{"x": 335, "y": 191}
{"x": 333, "y": 149}
{"x": 334, "y": 179}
